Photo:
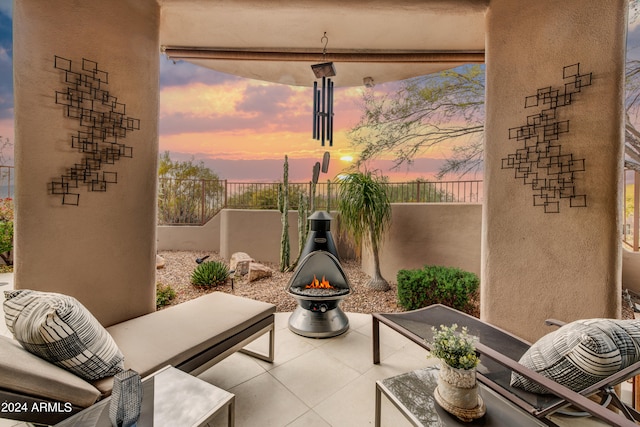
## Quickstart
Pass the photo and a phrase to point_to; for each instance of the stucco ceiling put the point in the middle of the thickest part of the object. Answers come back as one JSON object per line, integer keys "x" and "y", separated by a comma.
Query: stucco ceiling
{"x": 278, "y": 41}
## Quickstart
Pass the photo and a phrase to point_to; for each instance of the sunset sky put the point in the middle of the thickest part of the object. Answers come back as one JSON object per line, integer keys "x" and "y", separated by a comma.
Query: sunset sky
{"x": 242, "y": 128}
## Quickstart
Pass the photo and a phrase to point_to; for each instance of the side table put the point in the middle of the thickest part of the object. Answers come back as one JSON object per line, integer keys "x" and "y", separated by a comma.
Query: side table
{"x": 170, "y": 398}
{"x": 412, "y": 394}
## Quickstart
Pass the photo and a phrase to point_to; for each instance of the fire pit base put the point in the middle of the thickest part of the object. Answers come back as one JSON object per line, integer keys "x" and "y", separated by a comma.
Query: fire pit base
{"x": 319, "y": 321}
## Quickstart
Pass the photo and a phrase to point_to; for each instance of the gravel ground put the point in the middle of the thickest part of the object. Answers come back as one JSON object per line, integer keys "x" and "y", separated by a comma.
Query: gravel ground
{"x": 180, "y": 264}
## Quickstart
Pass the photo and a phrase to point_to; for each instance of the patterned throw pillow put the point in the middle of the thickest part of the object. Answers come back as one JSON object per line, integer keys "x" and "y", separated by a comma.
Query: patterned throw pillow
{"x": 581, "y": 353}
{"x": 62, "y": 331}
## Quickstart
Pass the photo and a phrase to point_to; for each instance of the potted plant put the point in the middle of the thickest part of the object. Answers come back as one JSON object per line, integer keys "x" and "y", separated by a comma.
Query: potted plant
{"x": 457, "y": 389}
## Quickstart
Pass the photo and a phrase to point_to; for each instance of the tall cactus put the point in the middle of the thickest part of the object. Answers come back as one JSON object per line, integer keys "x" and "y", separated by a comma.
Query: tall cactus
{"x": 314, "y": 181}
{"x": 283, "y": 206}
{"x": 328, "y": 196}
{"x": 303, "y": 223}
{"x": 312, "y": 203}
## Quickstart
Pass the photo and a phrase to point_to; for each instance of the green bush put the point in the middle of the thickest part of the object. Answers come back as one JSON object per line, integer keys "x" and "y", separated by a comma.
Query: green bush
{"x": 164, "y": 295}
{"x": 6, "y": 231}
{"x": 210, "y": 273}
{"x": 436, "y": 285}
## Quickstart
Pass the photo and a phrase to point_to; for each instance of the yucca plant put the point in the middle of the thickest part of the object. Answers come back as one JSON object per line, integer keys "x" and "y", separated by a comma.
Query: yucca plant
{"x": 210, "y": 273}
{"x": 365, "y": 211}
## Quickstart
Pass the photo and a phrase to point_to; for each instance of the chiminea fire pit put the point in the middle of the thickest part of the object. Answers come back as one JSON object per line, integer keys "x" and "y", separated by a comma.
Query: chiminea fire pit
{"x": 319, "y": 285}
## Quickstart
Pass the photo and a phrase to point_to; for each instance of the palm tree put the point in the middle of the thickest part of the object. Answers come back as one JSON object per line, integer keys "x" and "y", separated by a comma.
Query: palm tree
{"x": 365, "y": 211}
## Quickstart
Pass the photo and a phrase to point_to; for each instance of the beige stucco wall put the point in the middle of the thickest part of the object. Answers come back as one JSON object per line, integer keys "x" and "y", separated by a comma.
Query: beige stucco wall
{"x": 445, "y": 234}
{"x": 190, "y": 238}
{"x": 102, "y": 251}
{"x": 421, "y": 234}
{"x": 256, "y": 232}
{"x": 565, "y": 265}
{"x": 436, "y": 234}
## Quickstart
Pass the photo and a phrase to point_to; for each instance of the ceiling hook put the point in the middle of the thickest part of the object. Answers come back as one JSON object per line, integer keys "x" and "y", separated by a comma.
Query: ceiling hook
{"x": 326, "y": 41}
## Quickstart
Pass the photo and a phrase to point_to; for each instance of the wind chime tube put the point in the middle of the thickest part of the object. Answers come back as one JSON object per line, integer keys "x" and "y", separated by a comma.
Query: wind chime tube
{"x": 315, "y": 111}
{"x": 318, "y": 114}
{"x": 323, "y": 112}
{"x": 330, "y": 114}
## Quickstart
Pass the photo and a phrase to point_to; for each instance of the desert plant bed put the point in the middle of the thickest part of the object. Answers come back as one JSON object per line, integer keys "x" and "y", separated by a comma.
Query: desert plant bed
{"x": 179, "y": 266}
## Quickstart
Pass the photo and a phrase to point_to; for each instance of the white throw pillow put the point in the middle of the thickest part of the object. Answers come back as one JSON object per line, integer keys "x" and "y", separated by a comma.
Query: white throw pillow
{"x": 59, "y": 329}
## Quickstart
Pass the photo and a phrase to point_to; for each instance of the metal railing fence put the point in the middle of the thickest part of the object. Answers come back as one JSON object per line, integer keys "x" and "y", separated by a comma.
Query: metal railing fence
{"x": 189, "y": 201}
{"x": 631, "y": 222}
{"x": 7, "y": 182}
{"x": 194, "y": 202}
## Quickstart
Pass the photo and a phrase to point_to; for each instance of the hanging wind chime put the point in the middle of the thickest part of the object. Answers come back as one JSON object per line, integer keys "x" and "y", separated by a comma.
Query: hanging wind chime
{"x": 323, "y": 98}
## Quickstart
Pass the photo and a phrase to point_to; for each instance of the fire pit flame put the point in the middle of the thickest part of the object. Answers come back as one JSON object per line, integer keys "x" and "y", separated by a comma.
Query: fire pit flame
{"x": 317, "y": 284}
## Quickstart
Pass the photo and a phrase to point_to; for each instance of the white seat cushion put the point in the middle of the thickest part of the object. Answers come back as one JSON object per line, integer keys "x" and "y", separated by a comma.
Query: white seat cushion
{"x": 23, "y": 372}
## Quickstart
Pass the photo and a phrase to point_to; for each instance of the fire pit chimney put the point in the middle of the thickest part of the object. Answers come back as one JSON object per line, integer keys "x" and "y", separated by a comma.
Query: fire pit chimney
{"x": 319, "y": 238}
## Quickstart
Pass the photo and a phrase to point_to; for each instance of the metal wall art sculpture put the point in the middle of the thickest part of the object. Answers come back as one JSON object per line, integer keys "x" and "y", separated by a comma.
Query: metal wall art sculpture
{"x": 103, "y": 125}
{"x": 540, "y": 161}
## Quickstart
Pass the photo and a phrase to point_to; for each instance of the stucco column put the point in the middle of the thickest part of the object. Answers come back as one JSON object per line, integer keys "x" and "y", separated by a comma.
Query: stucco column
{"x": 101, "y": 251}
{"x": 565, "y": 265}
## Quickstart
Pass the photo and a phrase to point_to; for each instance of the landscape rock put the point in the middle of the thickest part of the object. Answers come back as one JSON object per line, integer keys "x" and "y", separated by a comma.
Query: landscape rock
{"x": 240, "y": 263}
{"x": 258, "y": 271}
{"x": 159, "y": 262}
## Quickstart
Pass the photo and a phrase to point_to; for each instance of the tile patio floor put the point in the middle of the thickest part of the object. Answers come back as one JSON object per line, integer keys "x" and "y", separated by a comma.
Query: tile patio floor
{"x": 313, "y": 382}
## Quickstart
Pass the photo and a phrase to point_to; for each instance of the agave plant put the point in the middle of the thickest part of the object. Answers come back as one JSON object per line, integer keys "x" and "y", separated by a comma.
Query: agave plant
{"x": 210, "y": 273}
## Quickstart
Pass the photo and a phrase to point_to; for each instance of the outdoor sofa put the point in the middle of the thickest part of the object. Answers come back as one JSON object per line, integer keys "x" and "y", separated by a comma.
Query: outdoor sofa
{"x": 191, "y": 336}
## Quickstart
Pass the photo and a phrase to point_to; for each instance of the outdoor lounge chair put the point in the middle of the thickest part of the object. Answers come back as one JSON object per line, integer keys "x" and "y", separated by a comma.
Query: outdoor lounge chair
{"x": 191, "y": 336}
{"x": 500, "y": 352}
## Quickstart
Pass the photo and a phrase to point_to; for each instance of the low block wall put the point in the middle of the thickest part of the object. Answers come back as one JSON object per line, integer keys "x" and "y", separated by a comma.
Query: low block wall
{"x": 422, "y": 234}
{"x": 439, "y": 234}
{"x": 256, "y": 232}
{"x": 190, "y": 238}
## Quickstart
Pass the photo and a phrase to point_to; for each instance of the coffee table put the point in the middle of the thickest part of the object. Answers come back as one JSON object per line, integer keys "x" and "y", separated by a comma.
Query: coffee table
{"x": 412, "y": 394}
{"x": 170, "y": 398}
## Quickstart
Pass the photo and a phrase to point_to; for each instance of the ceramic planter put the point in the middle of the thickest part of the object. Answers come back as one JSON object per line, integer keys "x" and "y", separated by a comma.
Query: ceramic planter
{"x": 457, "y": 393}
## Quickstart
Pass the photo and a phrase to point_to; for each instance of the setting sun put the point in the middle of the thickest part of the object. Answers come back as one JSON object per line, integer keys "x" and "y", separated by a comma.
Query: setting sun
{"x": 347, "y": 158}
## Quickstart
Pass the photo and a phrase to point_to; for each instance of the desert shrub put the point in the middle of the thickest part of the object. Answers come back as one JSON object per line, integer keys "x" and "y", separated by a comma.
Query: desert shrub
{"x": 210, "y": 273}
{"x": 450, "y": 286}
{"x": 164, "y": 295}
{"x": 6, "y": 231}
